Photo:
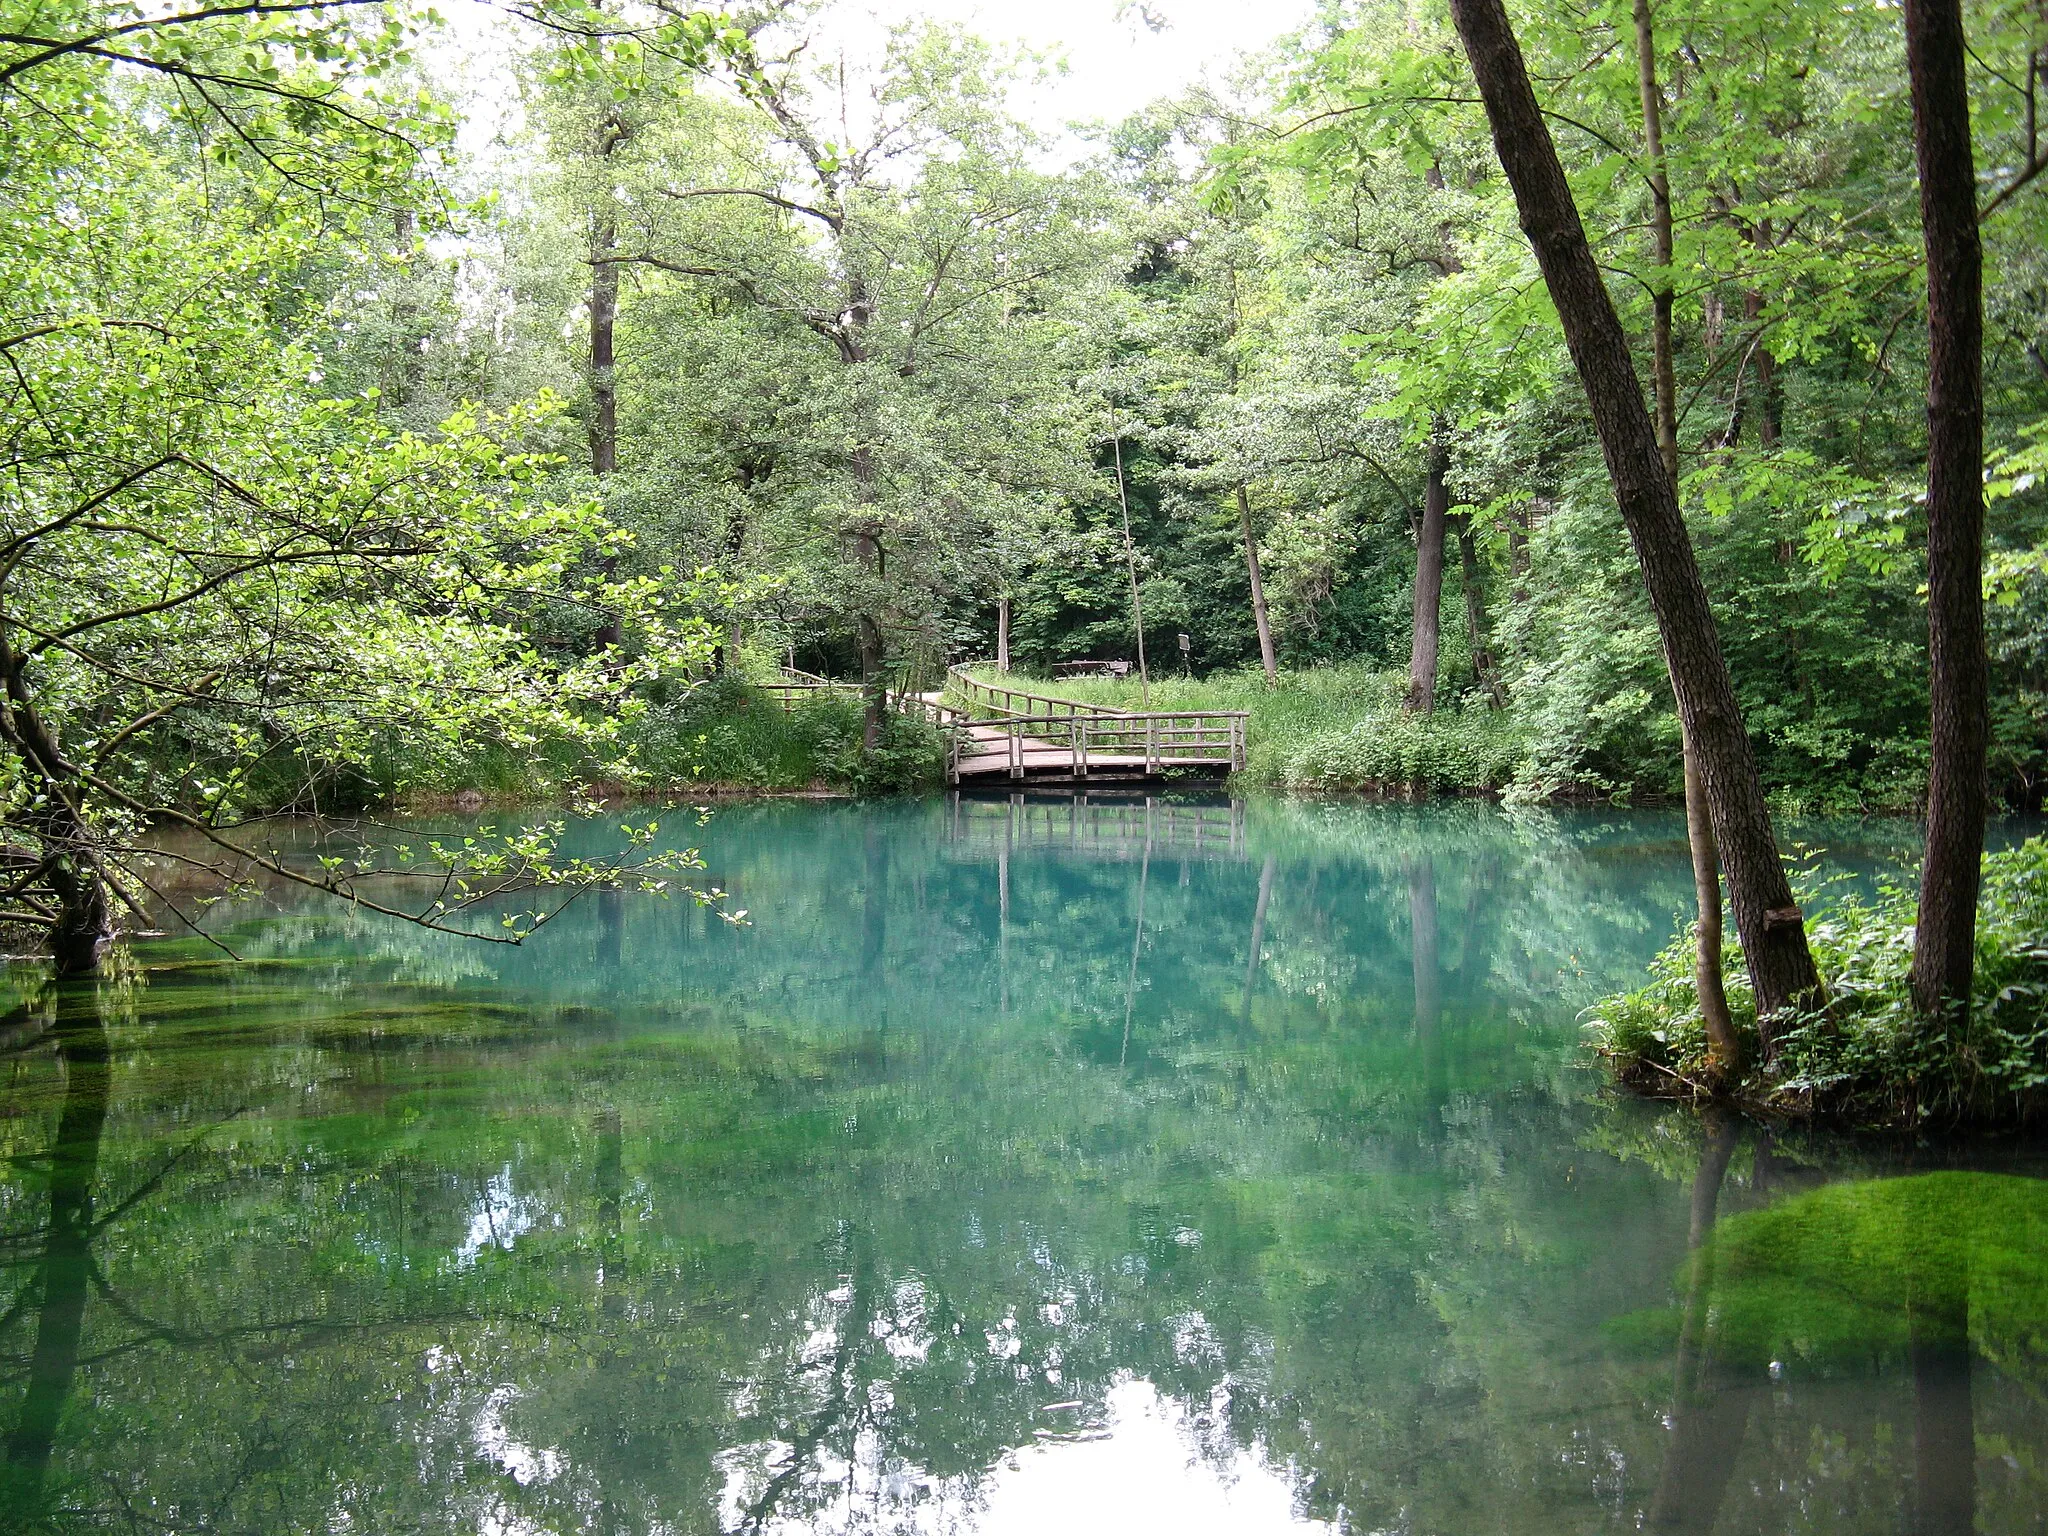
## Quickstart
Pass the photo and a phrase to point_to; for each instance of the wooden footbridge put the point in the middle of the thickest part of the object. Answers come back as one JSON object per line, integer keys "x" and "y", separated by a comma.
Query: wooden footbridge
{"x": 1000, "y": 736}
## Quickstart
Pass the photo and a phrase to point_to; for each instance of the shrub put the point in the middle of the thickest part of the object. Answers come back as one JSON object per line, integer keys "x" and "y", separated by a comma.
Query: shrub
{"x": 1868, "y": 1057}
{"x": 1338, "y": 726}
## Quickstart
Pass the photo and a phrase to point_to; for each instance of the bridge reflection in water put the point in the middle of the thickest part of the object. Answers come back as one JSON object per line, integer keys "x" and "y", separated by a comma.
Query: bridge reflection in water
{"x": 1111, "y": 826}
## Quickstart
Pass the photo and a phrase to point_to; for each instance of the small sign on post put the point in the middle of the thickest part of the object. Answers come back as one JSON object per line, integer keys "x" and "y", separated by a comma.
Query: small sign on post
{"x": 1186, "y": 645}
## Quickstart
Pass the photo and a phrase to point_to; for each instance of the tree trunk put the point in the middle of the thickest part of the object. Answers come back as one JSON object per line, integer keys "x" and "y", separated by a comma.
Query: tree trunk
{"x": 1706, "y": 954}
{"x": 1699, "y": 826}
{"x": 1002, "y": 634}
{"x": 874, "y": 681}
{"x": 1251, "y": 565}
{"x": 604, "y": 390}
{"x": 1429, "y": 578}
{"x": 1520, "y": 523}
{"x": 1123, "y": 501}
{"x": 85, "y": 925}
{"x": 1944, "y": 943}
{"x": 1662, "y": 363}
{"x": 1773, "y": 932}
{"x": 1485, "y": 669}
{"x": 85, "y": 921}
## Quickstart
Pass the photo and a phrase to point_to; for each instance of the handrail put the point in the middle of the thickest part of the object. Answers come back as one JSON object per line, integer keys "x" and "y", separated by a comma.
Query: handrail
{"x": 970, "y": 684}
{"x": 1161, "y": 739}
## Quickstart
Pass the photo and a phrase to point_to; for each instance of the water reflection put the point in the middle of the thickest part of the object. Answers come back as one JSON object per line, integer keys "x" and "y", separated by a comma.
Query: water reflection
{"x": 1028, "y": 1165}
{"x": 54, "y": 1290}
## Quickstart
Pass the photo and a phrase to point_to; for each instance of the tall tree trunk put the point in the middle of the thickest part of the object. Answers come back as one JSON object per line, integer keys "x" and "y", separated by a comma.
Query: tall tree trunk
{"x": 1944, "y": 943}
{"x": 874, "y": 679}
{"x": 1485, "y": 669}
{"x": 1699, "y": 826}
{"x": 85, "y": 921}
{"x": 84, "y": 927}
{"x": 1429, "y": 577}
{"x": 1002, "y": 634}
{"x": 1662, "y": 365}
{"x": 1773, "y": 932}
{"x": 1251, "y": 565}
{"x": 604, "y": 389}
{"x": 1123, "y": 501}
{"x": 1521, "y": 522}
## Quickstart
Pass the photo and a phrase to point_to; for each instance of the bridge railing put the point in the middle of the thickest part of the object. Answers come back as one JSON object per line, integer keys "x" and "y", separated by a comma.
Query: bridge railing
{"x": 1104, "y": 742}
{"x": 1165, "y": 738}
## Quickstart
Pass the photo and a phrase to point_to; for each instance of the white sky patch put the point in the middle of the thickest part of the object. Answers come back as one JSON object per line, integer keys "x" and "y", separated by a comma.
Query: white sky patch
{"x": 1113, "y": 65}
{"x": 1136, "y": 1469}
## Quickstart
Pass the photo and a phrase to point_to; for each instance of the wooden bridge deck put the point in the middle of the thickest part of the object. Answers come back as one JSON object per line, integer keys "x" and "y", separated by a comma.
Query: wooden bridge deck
{"x": 997, "y": 735}
{"x": 1006, "y": 735}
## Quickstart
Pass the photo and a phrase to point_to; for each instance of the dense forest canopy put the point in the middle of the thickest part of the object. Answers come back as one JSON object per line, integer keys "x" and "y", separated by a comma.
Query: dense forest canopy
{"x": 351, "y": 455}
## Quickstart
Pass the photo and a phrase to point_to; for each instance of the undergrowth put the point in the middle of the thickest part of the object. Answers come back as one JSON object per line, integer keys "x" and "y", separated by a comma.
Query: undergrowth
{"x": 721, "y": 734}
{"x": 1868, "y": 1058}
{"x": 1335, "y": 727}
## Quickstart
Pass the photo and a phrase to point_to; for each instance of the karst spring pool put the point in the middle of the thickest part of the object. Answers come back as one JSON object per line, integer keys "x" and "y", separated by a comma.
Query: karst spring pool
{"x": 1034, "y": 1166}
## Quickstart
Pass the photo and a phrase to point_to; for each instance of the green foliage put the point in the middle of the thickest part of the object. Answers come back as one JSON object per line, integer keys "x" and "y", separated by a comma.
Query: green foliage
{"x": 1337, "y": 727}
{"x": 729, "y": 734}
{"x": 1868, "y": 1057}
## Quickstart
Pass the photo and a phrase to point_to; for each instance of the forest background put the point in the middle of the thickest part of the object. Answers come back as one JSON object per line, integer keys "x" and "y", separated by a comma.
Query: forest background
{"x": 347, "y": 464}
{"x": 828, "y": 356}
{"x": 867, "y": 358}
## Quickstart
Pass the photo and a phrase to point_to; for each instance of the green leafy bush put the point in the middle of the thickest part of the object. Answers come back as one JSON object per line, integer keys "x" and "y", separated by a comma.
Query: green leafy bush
{"x": 729, "y": 733}
{"x": 1339, "y": 726}
{"x": 1868, "y": 1057}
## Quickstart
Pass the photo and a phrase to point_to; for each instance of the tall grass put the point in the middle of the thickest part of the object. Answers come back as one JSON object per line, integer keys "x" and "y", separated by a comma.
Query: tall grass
{"x": 724, "y": 734}
{"x": 1339, "y": 726}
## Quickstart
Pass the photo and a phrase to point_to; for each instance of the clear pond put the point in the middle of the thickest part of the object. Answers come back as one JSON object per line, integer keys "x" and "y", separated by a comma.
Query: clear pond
{"x": 1021, "y": 1167}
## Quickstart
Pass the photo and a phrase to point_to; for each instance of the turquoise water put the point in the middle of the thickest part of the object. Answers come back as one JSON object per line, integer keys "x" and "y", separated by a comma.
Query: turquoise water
{"x": 1018, "y": 1167}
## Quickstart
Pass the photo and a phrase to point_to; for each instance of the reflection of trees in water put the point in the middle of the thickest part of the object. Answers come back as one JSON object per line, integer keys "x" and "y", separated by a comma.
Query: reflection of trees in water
{"x": 54, "y": 1292}
{"x": 740, "y": 1261}
{"x": 1709, "y": 1402}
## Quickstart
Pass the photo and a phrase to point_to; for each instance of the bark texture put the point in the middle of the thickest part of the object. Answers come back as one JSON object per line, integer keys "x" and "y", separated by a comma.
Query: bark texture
{"x": 604, "y": 389}
{"x": 1429, "y": 579}
{"x": 1485, "y": 666}
{"x": 1773, "y": 932}
{"x": 1699, "y": 825}
{"x": 1944, "y": 944}
{"x": 1251, "y": 564}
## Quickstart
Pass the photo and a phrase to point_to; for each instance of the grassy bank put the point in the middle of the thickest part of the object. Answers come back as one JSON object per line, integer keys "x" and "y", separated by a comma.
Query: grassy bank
{"x": 722, "y": 735}
{"x": 1868, "y": 1059}
{"x": 1337, "y": 727}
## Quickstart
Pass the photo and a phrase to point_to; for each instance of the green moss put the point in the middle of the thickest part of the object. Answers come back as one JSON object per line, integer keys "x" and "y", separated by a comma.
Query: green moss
{"x": 1844, "y": 1279}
